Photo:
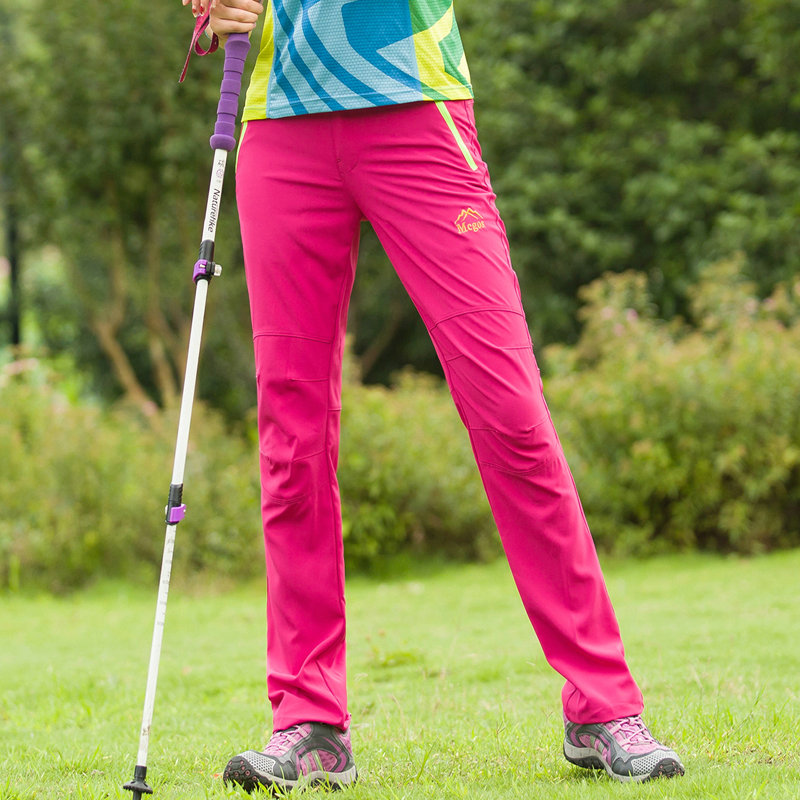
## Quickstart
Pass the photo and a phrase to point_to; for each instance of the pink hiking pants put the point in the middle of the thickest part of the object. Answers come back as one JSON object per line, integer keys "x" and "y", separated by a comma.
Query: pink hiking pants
{"x": 415, "y": 173}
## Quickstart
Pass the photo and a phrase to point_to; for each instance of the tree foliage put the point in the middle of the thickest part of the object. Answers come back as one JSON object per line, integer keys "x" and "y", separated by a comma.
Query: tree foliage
{"x": 114, "y": 169}
{"x": 650, "y": 135}
{"x": 655, "y": 135}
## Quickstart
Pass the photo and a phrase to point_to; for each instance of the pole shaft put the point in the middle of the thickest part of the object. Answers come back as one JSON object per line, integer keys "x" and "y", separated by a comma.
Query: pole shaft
{"x": 155, "y": 647}
{"x": 222, "y": 142}
{"x": 181, "y": 448}
{"x": 189, "y": 381}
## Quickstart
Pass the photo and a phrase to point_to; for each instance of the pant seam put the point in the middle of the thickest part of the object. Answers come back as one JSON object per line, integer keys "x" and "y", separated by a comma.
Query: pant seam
{"x": 476, "y": 310}
{"x": 299, "y": 458}
{"x": 331, "y": 478}
{"x": 291, "y": 335}
{"x": 532, "y": 471}
{"x": 283, "y": 500}
{"x": 544, "y": 420}
{"x": 509, "y": 347}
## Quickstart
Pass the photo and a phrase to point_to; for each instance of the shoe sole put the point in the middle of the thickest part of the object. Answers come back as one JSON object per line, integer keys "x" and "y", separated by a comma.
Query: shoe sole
{"x": 589, "y": 758}
{"x": 243, "y": 773}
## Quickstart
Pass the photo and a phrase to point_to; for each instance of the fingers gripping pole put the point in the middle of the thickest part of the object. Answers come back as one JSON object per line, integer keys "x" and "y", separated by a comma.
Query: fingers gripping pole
{"x": 223, "y": 141}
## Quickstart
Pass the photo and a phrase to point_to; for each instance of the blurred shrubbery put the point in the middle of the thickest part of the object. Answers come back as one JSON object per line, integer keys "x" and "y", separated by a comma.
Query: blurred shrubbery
{"x": 681, "y": 435}
{"x": 684, "y": 436}
{"x": 83, "y": 490}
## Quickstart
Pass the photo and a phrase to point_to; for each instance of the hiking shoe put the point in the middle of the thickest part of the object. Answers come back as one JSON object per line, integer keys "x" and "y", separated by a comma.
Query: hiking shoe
{"x": 624, "y": 748}
{"x": 306, "y": 754}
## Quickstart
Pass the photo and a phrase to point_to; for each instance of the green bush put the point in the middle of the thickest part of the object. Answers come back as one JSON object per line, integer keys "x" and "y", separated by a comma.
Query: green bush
{"x": 83, "y": 489}
{"x": 684, "y": 436}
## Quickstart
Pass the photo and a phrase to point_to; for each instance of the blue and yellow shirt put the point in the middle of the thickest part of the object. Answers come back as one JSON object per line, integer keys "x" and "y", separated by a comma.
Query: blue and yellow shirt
{"x": 332, "y": 55}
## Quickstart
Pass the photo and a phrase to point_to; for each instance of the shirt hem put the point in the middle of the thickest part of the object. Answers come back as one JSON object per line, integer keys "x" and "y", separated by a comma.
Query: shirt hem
{"x": 349, "y": 103}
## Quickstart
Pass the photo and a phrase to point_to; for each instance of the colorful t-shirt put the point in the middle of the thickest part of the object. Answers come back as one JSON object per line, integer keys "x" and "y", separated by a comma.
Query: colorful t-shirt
{"x": 332, "y": 55}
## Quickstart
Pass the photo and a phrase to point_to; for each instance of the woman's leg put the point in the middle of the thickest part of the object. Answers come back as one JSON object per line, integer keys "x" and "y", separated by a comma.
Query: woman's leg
{"x": 420, "y": 180}
{"x": 300, "y": 236}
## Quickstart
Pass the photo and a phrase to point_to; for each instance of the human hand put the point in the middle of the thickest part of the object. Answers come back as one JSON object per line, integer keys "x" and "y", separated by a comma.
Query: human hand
{"x": 199, "y": 6}
{"x": 234, "y": 16}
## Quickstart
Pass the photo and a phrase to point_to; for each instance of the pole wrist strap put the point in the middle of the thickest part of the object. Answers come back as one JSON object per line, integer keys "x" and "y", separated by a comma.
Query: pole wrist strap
{"x": 200, "y": 26}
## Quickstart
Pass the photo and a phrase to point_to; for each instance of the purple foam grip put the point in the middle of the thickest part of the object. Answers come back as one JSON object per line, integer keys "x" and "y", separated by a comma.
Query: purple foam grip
{"x": 236, "y": 50}
{"x": 176, "y": 514}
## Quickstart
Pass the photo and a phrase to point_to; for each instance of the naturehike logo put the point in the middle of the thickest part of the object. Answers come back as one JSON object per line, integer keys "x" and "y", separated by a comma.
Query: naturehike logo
{"x": 212, "y": 216}
{"x": 469, "y": 220}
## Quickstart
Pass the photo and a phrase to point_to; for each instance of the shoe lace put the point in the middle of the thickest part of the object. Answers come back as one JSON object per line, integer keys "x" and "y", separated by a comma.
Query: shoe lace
{"x": 631, "y": 731}
{"x": 283, "y": 740}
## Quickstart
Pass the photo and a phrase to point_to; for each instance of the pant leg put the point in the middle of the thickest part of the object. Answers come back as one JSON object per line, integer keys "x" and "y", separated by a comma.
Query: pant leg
{"x": 435, "y": 214}
{"x": 300, "y": 237}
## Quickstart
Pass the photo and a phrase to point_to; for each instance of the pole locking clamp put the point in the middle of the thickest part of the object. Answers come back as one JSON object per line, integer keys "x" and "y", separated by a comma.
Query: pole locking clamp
{"x": 205, "y": 270}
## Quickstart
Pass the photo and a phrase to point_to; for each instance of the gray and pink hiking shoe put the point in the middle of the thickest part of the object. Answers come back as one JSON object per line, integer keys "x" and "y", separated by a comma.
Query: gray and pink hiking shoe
{"x": 624, "y": 748}
{"x": 308, "y": 754}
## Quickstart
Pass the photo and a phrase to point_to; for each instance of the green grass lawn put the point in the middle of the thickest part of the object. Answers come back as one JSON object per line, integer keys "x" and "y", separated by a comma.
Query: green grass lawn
{"x": 449, "y": 691}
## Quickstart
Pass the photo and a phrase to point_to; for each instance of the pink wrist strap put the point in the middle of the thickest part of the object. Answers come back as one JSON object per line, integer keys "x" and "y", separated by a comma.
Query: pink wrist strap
{"x": 195, "y": 47}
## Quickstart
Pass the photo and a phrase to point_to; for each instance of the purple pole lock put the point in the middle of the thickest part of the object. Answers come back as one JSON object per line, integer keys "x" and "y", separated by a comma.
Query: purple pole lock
{"x": 236, "y": 50}
{"x": 200, "y": 269}
{"x": 176, "y": 509}
{"x": 176, "y": 514}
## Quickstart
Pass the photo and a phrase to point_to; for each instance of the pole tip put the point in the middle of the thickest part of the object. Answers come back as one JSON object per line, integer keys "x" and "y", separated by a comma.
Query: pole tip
{"x": 138, "y": 785}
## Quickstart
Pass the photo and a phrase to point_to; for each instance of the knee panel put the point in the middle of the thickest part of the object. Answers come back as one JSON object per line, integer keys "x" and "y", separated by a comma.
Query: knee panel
{"x": 495, "y": 382}
{"x": 294, "y": 404}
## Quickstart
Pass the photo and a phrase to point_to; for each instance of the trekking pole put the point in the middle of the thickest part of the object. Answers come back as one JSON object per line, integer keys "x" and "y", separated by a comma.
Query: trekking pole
{"x": 222, "y": 142}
